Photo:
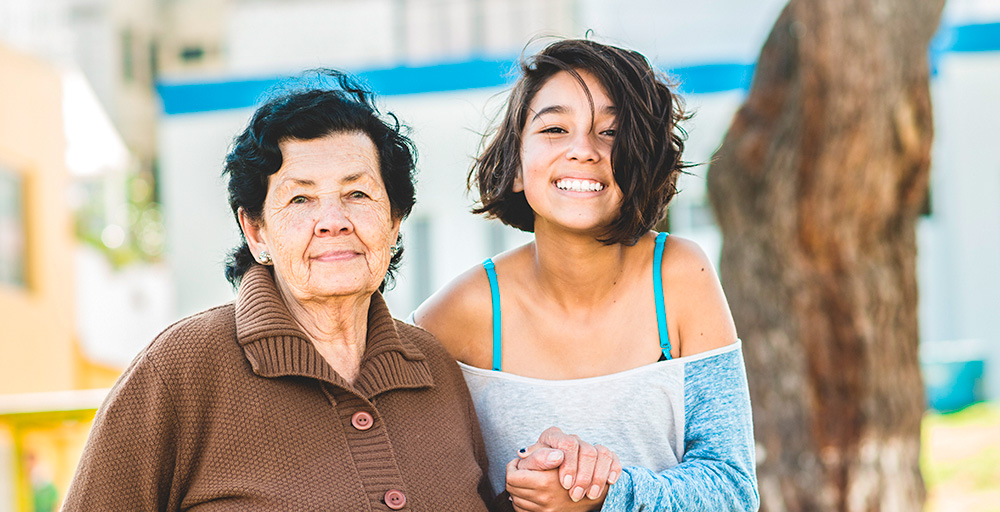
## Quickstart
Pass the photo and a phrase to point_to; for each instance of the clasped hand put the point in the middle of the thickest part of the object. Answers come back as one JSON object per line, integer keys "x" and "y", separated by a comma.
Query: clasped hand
{"x": 561, "y": 472}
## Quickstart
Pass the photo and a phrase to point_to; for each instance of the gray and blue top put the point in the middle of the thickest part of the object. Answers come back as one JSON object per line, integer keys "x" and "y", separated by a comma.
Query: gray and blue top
{"x": 681, "y": 427}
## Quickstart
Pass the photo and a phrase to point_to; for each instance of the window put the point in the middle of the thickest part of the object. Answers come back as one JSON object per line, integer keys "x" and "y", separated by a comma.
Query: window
{"x": 154, "y": 60}
{"x": 128, "y": 56}
{"x": 192, "y": 53}
{"x": 419, "y": 242}
{"x": 13, "y": 237}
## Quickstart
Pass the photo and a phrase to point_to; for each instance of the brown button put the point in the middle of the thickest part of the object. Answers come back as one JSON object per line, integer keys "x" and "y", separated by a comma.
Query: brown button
{"x": 362, "y": 420}
{"x": 395, "y": 499}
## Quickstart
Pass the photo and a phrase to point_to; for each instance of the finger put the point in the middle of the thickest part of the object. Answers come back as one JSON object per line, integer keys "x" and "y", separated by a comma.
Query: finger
{"x": 524, "y": 452}
{"x": 512, "y": 472}
{"x": 523, "y": 505}
{"x": 523, "y": 480}
{"x": 521, "y": 487}
{"x": 586, "y": 462}
{"x": 570, "y": 446}
{"x": 542, "y": 459}
{"x": 616, "y": 469}
{"x": 551, "y": 437}
{"x": 602, "y": 469}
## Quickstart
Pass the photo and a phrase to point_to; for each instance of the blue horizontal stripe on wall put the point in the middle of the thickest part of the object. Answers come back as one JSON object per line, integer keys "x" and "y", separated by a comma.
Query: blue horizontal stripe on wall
{"x": 709, "y": 78}
{"x": 192, "y": 97}
{"x": 186, "y": 98}
{"x": 473, "y": 74}
{"x": 972, "y": 38}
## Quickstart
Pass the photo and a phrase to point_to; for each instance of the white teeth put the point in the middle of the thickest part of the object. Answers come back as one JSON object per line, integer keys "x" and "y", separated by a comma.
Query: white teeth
{"x": 579, "y": 185}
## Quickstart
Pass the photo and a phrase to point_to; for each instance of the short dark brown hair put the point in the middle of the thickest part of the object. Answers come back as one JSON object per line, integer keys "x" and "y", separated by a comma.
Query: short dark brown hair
{"x": 645, "y": 154}
{"x": 320, "y": 103}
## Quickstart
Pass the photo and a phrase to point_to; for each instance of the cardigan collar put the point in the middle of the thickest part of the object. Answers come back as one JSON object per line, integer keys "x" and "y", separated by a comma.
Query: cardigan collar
{"x": 276, "y": 346}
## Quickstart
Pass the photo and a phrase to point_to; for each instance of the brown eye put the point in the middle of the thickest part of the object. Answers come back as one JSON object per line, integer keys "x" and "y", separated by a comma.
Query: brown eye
{"x": 357, "y": 194}
{"x": 298, "y": 200}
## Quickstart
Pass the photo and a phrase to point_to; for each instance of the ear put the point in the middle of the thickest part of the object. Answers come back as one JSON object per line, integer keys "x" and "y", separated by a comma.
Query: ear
{"x": 518, "y": 185}
{"x": 253, "y": 233}
{"x": 395, "y": 230}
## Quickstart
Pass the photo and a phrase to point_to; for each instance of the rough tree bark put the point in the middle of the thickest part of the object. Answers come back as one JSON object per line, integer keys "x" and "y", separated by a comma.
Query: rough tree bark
{"x": 817, "y": 188}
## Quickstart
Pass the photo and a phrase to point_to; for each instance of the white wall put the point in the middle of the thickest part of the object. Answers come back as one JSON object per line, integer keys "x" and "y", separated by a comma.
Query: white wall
{"x": 446, "y": 128}
{"x": 263, "y": 38}
{"x": 963, "y": 294}
{"x": 199, "y": 224}
{"x": 680, "y": 33}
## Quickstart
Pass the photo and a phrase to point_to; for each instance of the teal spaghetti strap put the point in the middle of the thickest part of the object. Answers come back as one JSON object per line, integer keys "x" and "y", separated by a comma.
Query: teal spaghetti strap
{"x": 661, "y": 314}
{"x": 495, "y": 292}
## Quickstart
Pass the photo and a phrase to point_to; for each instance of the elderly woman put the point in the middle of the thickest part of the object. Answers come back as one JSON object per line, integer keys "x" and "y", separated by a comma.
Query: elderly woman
{"x": 303, "y": 394}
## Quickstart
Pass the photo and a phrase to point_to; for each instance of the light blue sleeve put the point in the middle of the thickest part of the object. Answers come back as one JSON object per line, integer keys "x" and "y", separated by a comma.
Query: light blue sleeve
{"x": 718, "y": 470}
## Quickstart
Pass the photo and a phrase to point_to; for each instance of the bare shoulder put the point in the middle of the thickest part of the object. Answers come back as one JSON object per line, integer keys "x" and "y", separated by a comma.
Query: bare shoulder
{"x": 694, "y": 297}
{"x": 684, "y": 258}
{"x": 460, "y": 316}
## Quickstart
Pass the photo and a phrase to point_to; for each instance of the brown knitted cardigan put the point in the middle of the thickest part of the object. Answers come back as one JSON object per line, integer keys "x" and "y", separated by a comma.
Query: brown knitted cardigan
{"x": 234, "y": 409}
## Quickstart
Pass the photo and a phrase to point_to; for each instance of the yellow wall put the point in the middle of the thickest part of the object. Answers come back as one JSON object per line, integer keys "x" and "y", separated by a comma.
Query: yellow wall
{"x": 38, "y": 324}
{"x": 38, "y": 346}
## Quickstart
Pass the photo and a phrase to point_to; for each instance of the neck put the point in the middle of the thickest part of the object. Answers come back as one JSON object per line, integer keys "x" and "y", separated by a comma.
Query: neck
{"x": 337, "y": 327}
{"x": 577, "y": 270}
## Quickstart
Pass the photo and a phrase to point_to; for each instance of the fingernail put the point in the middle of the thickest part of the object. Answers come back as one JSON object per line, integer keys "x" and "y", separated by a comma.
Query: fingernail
{"x": 522, "y": 450}
{"x": 567, "y": 481}
{"x": 554, "y": 456}
{"x": 612, "y": 477}
{"x": 577, "y": 494}
{"x": 595, "y": 491}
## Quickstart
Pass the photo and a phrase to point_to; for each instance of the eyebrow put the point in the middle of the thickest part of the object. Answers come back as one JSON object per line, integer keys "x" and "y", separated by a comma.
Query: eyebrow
{"x": 562, "y": 109}
{"x": 296, "y": 181}
{"x": 350, "y": 178}
{"x": 551, "y": 109}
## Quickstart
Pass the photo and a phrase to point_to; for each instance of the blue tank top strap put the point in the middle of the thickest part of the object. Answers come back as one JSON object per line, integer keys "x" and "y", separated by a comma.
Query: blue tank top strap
{"x": 491, "y": 273}
{"x": 661, "y": 313}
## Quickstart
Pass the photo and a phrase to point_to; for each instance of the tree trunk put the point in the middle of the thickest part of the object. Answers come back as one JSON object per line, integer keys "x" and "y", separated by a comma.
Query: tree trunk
{"x": 817, "y": 188}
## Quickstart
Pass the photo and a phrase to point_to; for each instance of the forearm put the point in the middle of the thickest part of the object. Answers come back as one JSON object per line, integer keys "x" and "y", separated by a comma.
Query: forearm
{"x": 700, "y": 485}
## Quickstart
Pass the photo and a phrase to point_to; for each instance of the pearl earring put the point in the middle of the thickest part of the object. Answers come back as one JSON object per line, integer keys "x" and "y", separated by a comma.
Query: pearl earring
{"x": 265, "y": 258}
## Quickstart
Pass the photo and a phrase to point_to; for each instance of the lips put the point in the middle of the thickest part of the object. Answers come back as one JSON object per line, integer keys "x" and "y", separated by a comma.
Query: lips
{"x": 579, "y": 185}
{"x": 336, "y": 255}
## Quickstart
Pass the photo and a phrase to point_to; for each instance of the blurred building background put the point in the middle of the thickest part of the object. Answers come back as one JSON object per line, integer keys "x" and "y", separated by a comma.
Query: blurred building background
{"x": 115, "y": 116}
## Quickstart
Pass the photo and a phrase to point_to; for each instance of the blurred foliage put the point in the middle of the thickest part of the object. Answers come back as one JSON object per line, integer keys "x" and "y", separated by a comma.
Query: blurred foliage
{"x": 127, "y": 233}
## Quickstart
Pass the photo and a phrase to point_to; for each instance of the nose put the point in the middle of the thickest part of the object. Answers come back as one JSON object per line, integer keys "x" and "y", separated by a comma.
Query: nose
{"x": 334, "y": 219}
{"x": 583, "y": 147}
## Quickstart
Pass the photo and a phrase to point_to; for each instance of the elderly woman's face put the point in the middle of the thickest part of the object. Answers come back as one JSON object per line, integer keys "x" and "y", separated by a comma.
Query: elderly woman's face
{"x": 327, "y": 219}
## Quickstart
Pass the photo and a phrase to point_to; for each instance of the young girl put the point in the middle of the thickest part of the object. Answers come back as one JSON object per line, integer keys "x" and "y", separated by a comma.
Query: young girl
{"x": 599, "y": 326}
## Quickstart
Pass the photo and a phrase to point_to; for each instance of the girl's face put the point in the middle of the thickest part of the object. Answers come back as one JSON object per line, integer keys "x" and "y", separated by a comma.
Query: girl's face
{"x": 566, "y": 173}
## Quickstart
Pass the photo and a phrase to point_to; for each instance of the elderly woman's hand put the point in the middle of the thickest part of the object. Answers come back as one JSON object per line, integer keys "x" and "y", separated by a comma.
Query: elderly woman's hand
{"x": 579, "y": 483}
